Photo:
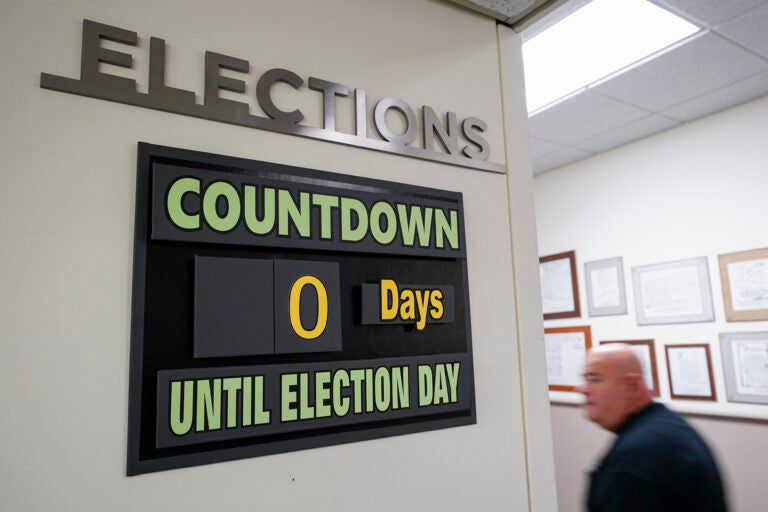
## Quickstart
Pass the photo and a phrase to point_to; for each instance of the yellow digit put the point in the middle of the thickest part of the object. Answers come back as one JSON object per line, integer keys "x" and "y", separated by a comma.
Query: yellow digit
{"x": 294, "y": 307}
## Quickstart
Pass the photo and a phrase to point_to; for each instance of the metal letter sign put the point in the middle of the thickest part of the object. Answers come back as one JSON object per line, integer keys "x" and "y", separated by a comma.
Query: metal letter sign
{"x": 463, "y": 146}
{"x": 278, "y": 308}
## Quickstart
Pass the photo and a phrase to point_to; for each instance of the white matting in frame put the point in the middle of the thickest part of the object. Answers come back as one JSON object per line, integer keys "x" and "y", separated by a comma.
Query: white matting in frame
{"x": 674, "y": 292}
{"x": 689, "y": 368}
{"x": 559, "y": 286}
{"x": 566, "y": 350}
{"x": 605, "y": 287}
{"x": 745, "y": 366}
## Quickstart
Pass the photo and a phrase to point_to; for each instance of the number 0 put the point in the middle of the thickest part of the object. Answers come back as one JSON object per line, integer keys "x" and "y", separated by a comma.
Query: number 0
{"x": 294, "y": 307}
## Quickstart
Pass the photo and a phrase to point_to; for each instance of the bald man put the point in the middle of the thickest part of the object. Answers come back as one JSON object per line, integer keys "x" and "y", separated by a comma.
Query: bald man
{"x": 658, "y": 463}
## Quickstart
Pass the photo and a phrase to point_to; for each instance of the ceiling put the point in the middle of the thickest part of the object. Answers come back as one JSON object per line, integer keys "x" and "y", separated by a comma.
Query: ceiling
{"x": 724, "y": 64}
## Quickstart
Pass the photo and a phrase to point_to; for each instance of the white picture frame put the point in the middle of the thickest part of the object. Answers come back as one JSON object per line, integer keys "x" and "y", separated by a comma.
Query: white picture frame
{"x": 673, "y": 292}
{"x": 606, "y": 294}
{"x": 745, "y": 366}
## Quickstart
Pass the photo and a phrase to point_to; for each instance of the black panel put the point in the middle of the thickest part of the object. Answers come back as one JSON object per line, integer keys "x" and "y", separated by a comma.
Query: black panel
{"x": 206, "y": 310}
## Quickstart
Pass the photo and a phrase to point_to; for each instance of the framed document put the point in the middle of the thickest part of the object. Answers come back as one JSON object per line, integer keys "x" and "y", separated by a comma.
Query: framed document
{"x": 605, "y": 287}
{"x": 745, "y": 366}
{"x": 745, "y": 285}
{"x": 674, "y": 292}
{"x": 646, "y": 353}
{"x": 559, "y": 288}
{"x": 566, "y": 349}
{"x": 690, "y": 372}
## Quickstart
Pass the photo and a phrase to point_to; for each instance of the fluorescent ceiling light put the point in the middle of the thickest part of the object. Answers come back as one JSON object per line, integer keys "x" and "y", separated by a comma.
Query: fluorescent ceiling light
{"x": 599, "y": 39}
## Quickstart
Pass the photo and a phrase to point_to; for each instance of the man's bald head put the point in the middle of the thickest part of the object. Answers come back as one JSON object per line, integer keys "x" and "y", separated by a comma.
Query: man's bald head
{"x": 619, "y": 355}
{"x": 613, "y": 385}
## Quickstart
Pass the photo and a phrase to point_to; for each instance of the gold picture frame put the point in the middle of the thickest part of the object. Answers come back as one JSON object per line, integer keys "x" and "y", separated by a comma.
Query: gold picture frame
{"x": 744, "y": 277}
{"x": 566, "y": 350}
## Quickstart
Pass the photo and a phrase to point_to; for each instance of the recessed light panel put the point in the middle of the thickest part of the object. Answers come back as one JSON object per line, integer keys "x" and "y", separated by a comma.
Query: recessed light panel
{"x": 599, "y": 39}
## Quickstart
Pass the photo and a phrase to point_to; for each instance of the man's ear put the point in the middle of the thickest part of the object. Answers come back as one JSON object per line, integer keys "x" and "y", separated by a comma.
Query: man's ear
{"x": 633, "y": 382}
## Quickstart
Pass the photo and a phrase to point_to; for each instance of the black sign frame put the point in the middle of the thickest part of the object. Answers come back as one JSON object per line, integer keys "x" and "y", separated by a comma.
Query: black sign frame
{"x": 143, "y": 453}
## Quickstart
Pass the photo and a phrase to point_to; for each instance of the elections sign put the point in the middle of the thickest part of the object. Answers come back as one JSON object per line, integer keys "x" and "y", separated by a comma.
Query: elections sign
{"x": 277, "y": 308}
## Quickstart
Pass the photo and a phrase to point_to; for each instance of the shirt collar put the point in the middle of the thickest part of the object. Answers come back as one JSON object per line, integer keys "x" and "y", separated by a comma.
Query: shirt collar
{"x": 636, "y": 417}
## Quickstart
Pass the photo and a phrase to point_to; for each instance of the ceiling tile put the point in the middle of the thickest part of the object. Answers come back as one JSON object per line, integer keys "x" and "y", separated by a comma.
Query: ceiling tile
{"x": 508, "y": 11}
{"x": 710, "y": 12}
{"x": 580, "y": 117}
{"x": 558, "y": 158}
{"x": 627, "y": 133}
{"x": 745, "y": 90}
{"x": 701, "y": 65}
{"x": 749, "y": 30}
{"x": 541, "y": 147}
{"x": 506, "y": 8}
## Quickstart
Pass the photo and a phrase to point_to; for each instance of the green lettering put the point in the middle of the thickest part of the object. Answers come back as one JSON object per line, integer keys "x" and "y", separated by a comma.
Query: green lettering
{"x": 299, "y": 215}
{"x": 325, "y": 203}
{"x": 400, "y": 398}
{"x": 231, "y": 386}
{"x": 447, "y": 229}
{"x": 453, "y": 379}
{"x": 306, "y": 411}
{"x": 247, "y": 402}
{"x": 174, "y": 199}
{"x": 425, "y": 385}
{"x": 357, "y": 376}
{"x": 322, "y": 395}
{"x": 369, "y": 390}
{"x": 415, "y": 222}
{"x": 340, "y": 403}
{"x": 385, "y": 209}
{"x": 208, "y": 405}
{"x": 288, "y": 397}
{"x": 181, "y": 416}
{"x": 216, "y": 190}
{"x": 441, "y": 386}
{"x": 349, "y": 206}
{"x": 250, "y": 213}
{"x": 261, "y": 416}
{"x": 383, "y": 389}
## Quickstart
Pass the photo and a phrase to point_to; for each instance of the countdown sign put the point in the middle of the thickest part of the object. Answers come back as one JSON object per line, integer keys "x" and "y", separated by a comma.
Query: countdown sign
{"x": 277, "y": 308}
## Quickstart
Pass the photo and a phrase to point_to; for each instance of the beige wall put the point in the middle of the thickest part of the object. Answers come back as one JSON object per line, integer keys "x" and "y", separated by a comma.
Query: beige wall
{"x": 697, "y": 190}
{"x": 68, "y": 167}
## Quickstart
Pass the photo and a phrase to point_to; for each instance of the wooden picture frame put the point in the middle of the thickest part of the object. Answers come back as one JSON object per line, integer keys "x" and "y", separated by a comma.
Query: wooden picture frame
{"x": 647, "y": 361}
{"x": 744, "y": 277}
{"x": 673, "y": 292}
{"x": 566, "y": 351}
{"x": 559, "y": 286}
{"x": 694, "y": 357}
{"x": 745, "y": 366}
{"x": 606, "y": 294}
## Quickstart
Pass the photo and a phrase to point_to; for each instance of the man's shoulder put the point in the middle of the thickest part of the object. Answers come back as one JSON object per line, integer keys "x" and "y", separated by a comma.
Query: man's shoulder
{"x": 661, "y": 453}
{"x": 656, "y": 435}
{"x": 662, "y": 438}
{"x": 658, "y": 424}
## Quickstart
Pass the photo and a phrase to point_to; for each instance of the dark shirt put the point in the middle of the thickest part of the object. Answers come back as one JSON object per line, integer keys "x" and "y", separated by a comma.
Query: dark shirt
{"x": 658, "y": 463}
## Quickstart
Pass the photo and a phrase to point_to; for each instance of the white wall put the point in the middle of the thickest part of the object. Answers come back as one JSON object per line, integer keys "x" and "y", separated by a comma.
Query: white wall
{"x": 697, "y": 190}
{"x": 68, "y": 168}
